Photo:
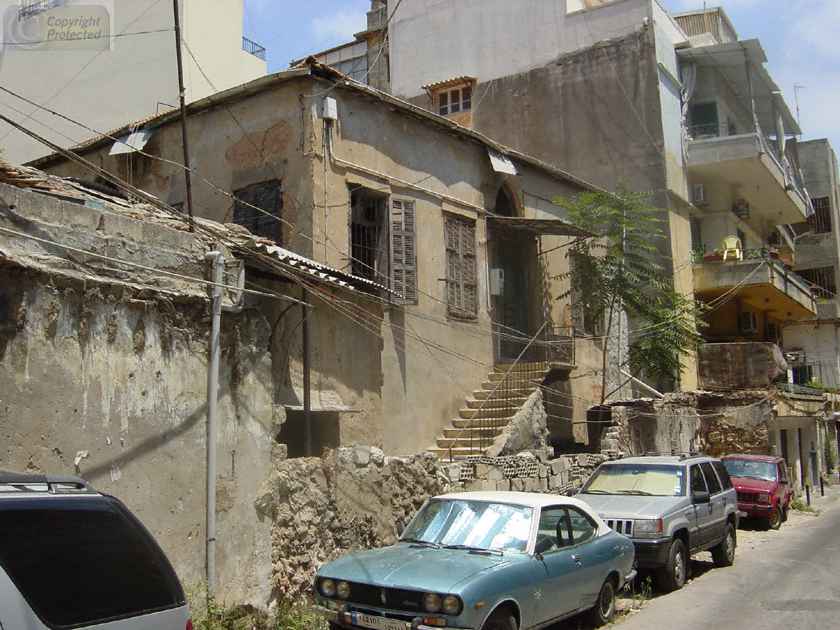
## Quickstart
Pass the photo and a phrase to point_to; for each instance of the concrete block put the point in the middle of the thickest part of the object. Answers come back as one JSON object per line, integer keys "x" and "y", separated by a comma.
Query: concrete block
{"x": 361, "y": 455}
{"x": 583, "y": 459}
{"x": 517, "y": 484}
{"x": 543, "y": 484}
{"x": 495, "y": 473}
{"x": 481, "y": 470}
{"x": 503, "y": 485}
{"x": 560, "y": 465}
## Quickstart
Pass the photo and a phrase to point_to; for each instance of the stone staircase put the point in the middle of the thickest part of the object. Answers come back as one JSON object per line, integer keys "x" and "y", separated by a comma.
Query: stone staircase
{"x": 489, "y": 410}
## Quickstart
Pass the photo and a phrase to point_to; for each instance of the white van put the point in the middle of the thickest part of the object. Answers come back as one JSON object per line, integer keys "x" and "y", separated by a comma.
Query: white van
{"x": 71, "y": 557}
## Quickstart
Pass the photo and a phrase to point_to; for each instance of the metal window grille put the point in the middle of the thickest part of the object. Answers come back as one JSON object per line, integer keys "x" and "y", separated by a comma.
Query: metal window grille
{"x": 822, "y": 281}
{"x": 368, "y": 238}
{"x": 461, "y": 268}
{"x": 258, "y": 208}
{"x": 820, "y": 221}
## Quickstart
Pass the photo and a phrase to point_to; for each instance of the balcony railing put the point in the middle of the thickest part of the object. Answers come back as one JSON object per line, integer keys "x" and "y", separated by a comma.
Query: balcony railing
{"x": 699, "y": 257}
{"x": 253, "y": 47}
{"x": 750, "y": 127}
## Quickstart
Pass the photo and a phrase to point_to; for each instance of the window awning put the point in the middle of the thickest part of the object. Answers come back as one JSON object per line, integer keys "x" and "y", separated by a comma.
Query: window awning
{"x": 537, "y": 227}
{"x": 315, "y": 270}
{"x": 134, "y": 141}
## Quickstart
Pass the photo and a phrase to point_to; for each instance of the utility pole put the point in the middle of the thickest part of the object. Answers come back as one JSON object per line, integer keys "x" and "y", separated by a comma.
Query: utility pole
{"x": 181, "y": 95}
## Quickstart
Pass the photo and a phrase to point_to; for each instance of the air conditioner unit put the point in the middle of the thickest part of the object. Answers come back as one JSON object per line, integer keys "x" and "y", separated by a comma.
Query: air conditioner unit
{"x": 747, "y": 323}
{"x": 699, "y": 195}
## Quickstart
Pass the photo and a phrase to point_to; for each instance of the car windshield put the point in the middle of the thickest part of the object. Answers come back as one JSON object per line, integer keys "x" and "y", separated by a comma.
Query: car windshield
{"x": 750, "y": 469}
{"x": 637, "y": 479}
{"x": 471, "y": 524}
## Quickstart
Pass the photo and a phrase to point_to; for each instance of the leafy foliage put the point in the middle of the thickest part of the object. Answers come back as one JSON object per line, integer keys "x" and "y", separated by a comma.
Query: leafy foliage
{"x": 621, "y": 271}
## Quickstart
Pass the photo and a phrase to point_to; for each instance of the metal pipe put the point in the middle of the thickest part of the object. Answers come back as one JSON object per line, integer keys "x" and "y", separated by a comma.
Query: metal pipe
{"x": 182, "y": 97}
{"x": 307, "y": 380}
{"x": 212, "y": 419}
{"x": 218, "y": 261}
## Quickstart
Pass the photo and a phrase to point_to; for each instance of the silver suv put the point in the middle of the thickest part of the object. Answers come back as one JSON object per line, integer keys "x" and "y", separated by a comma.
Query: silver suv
{"x": 671, "y": 507}
{"x": 71, "y": 557}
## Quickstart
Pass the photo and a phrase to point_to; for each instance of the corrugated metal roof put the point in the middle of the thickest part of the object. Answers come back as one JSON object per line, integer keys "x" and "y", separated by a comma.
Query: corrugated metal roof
{"x": 464, "y": 80}
{"x": 315, "y": 270}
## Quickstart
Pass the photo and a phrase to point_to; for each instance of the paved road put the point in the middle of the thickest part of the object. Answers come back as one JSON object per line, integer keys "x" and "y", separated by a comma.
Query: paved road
{"x": 791, "y": 581}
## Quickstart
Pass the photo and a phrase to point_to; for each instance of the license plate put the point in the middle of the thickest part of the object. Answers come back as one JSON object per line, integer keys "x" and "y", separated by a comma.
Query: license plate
{"x": 376, "y": 623}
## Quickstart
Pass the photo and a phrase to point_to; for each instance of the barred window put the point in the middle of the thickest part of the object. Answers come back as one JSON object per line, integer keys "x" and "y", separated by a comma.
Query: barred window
{"x": 258, "y": 209}
{"x": 461, "y": 268}
{"x": 820, "y": 221}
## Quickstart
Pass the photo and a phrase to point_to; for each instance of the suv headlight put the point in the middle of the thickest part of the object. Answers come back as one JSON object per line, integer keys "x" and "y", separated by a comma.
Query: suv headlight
{"x": 647, "y": 527}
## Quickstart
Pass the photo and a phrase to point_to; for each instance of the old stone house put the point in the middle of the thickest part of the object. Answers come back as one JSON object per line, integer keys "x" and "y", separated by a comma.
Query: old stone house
{"x": 677, "y": 104}
{"x": 392, "y": 259}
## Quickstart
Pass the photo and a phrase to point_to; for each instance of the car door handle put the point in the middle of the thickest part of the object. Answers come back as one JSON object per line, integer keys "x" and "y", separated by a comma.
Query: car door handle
{"x": 576, "y": 557}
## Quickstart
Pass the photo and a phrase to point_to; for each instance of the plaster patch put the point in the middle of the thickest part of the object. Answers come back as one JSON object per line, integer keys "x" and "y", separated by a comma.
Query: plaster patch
{"x": 252, "y": 149}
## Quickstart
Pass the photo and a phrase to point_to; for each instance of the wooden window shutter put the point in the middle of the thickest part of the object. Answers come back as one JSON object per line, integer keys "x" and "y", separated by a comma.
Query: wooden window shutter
{"x": 461, "y": 268}
{"x": 404, "y": 250}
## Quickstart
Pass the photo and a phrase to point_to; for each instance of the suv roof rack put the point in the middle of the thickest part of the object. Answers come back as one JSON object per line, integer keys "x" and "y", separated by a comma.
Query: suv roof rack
{"x": 56, "y": 484}
{"x": 680, "y": 454}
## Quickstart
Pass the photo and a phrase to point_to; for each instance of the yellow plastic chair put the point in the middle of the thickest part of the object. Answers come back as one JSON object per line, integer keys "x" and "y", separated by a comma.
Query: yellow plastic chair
{"x": 732, "y": 246}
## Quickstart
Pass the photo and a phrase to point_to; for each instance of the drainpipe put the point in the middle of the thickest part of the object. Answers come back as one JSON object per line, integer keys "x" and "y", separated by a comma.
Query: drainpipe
{"x": 218, "y": 261}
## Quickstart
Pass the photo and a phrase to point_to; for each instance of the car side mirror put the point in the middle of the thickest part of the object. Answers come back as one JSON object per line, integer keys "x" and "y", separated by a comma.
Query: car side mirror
{"x": 701, "y": 497}
{"x": 400, "y": 528}
{"x": 572, "y": 492}
{"x": 543, "y": 544}
{"x": 784, "y": 481}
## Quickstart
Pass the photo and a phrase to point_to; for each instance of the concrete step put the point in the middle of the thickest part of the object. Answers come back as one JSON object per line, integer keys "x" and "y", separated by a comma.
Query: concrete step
{"x": 496, "y": 403}
{"x": 476, "y": 432}
{"x": 464, "y": 443}
{"x": 467, "y": 414}
{"x": 444, "y": 455}
{"x": 480, "y": 423}
{"x": 521, "y": 392}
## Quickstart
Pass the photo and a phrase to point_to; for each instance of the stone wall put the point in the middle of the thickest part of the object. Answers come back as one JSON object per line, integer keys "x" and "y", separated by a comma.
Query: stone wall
{"x": 354, "y": 497}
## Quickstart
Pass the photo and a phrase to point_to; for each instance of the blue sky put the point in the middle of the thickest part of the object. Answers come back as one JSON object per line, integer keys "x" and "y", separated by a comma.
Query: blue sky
{"x": 801, "y": 39}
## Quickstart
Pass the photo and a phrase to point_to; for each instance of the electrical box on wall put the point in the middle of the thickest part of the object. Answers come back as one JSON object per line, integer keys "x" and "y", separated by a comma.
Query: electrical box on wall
{"x": 330, "y": 111}
{"x": 497, "y": 281}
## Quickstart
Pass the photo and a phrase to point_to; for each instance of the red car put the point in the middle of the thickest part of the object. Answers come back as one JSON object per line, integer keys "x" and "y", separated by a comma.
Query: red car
{"x": 762, "y": 485}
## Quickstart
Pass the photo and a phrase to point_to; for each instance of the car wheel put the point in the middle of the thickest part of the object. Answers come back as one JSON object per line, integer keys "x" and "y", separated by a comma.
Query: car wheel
{"x": 774, "y": 521}
{"x": 604, "y": 609}
{"x": 723, "y": 554}
{"x": 500, "y": 619}
{"x": 672, "y": 576}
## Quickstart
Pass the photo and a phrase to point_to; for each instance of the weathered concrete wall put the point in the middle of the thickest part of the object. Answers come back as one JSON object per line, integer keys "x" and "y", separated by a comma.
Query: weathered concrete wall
{"x": 103, "y": 374}
{"x": 715, "y": 424}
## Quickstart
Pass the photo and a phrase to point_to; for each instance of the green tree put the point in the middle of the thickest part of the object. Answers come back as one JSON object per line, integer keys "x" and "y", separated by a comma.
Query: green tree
{"x": 620, "y": 270}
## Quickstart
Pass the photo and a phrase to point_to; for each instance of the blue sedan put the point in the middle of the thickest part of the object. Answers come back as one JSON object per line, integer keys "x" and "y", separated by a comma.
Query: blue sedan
{"x": 483, "y": 561}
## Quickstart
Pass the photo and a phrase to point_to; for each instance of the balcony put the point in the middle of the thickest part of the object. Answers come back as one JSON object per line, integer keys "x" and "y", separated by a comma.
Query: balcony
{"x": 254, "y": 48}
{"x": 730, "y": 157}
{"x": 758, "y": 284}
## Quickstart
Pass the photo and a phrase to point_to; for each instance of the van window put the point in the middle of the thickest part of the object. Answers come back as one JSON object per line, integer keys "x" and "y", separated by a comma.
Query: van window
{"x": 82, "y": 560}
